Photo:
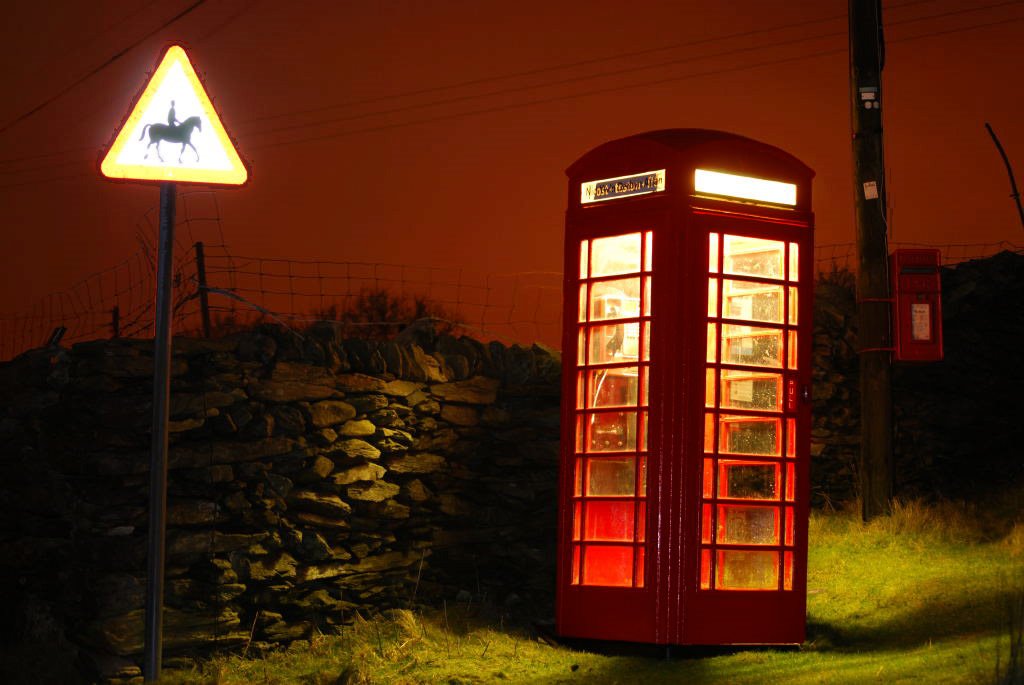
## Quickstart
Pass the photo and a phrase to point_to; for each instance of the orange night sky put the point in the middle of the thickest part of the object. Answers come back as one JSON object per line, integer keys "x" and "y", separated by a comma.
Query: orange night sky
{"x": 437, "y": 133}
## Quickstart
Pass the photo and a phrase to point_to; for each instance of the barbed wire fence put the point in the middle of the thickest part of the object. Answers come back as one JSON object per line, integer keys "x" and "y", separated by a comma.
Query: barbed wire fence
{"x": 118, "y": 301}
{"x": 218, "y": 292}
{"x": 520, "y": 306}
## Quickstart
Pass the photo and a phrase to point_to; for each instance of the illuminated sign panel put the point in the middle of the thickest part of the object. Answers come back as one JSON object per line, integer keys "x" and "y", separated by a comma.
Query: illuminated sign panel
{"x": 173, "y": 133}
{"x": 744, "y": 187}
{"x": 622, "y": 186}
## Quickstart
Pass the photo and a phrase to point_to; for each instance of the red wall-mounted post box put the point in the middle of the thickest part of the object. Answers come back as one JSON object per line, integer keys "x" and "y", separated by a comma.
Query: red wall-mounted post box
{"x": 917, "y": 305}
{"x": 686, "y": 415}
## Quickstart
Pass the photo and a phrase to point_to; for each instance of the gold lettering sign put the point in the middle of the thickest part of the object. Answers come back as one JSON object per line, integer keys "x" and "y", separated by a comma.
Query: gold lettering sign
{"x": 622, "y": 186}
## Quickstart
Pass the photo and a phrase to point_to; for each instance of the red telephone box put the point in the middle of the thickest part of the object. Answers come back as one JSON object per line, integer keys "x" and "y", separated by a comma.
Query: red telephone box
{"x": 686, "y": 392}
{"x": 917, "y": 304}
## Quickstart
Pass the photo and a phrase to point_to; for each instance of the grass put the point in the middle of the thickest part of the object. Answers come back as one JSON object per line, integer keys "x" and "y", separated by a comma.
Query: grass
{"x": 923, "y": 596}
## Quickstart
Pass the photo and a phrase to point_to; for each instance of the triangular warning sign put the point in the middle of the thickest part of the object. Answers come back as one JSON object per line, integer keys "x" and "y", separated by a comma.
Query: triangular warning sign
{"x": 173, "y": 133}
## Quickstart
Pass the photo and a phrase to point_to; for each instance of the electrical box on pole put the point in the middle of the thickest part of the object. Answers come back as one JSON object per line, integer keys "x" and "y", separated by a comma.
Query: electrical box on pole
{"x": 867, "y": 57}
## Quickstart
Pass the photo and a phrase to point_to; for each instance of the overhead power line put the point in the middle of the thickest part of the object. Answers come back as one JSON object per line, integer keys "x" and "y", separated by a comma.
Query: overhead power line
{"x": 610, "y": 89}
{"x": 616, "y": 57}
{"x": 118, "y": 55}
{"x": 606, "y": 74}
{"x": 502, "y": 77}
{"x": 598, "y": 91}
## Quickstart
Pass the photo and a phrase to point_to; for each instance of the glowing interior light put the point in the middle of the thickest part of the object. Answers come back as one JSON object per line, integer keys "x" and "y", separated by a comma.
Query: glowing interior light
{"x": 744, "y": 187}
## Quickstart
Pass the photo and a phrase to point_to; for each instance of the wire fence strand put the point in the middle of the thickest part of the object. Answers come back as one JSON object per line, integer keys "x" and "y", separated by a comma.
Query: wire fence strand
{"x": 243, "y": 290}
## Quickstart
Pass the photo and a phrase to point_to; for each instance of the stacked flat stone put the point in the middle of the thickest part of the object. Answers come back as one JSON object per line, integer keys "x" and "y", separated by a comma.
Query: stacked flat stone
{"x": 310, "y": 478}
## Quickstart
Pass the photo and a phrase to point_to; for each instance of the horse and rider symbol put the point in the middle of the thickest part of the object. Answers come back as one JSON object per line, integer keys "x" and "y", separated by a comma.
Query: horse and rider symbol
{"x": 173, "y": 131}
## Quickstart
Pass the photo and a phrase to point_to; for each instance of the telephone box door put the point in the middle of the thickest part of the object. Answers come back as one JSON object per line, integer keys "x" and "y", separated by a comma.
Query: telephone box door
{"x": 610, "y": 288}
{"x": 747, "y": 585}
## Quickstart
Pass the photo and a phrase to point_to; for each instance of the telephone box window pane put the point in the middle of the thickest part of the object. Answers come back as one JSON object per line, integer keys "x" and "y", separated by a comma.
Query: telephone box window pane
{"x": 794, "y": 262}
{"x": 713, "y": 253}
{"x": 739, "y": 525}
{"x": 712, "y": 342}
{"x": 641, "y": 522}
{"x": 747, "y": 570}
{"x": 793, "y": 314}
{"x": 792, "y": 350}
{"x": 790, "y": 482}
{"x": 640, "y": 567}
{"x": 751, "y": 390}
{"x": 749, "y": 435}
{"x": 643, "y": 431}
{"x": 619, "y": 299}
{"x": 583, "y": 303}
{"x": 705, "y": 526}
{"x": 618, "y": 254}
{"x": 580, "y": 430}
{"x": 648, "y": 250}
{"x": 751, "y": 345}
{"x": 608, "y": 565}
{"x": 575, "y": 564}
{"x": 788, "y": 540}
{"x": 747, "y": 480}
{"x": 787, "y": 581}
{"x": 611, "y": 477}
{"x": 709, "y": 432}
{"x": 613, "y": 432}
{"x": 613, "y": 387}
{"x": 753, "y": 257}
{"x": 705, "y": 569}
{"x": 580, "y": 390}
{"x": 581, "y": 348}
{"x": 752, "y": 301}
{"x": 642, "y": 492}
{"x": 578, "y": 488}
{"x": 647, "y": 342}
{"x": 645, "y": 383}
{"x": 618, "y": 342}
{"x": 712, "y": 297}
{"x": 647, "y": 296}
{"x": 577, "y": 508}
{"x": 584, "y": 254}
{"x": 609, "y": 521}
{"x": 709, "y": 475}
{"x": 791, "y": 438}
{"x": 709, "y": 388}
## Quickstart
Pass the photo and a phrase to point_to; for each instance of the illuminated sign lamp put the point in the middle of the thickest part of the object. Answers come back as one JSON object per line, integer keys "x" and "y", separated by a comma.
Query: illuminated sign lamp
{"x": 173, "y": 133}
{"x": 707, "y": 182}
{"x": 622, "y": 186}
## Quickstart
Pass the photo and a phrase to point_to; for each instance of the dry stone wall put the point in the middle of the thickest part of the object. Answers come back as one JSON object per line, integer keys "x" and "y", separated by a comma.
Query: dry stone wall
{"x": 310, "y": 478}
{"x": 313, "y": 477}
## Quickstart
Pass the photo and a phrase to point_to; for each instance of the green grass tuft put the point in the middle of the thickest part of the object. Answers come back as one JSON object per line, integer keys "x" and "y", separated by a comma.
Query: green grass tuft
{"x": 934, "y": 593}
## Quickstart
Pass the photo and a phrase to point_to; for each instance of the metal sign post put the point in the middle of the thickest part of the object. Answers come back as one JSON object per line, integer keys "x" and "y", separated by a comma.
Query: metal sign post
{"x": 158, "y": 458}
{"x": 199, "y": 150}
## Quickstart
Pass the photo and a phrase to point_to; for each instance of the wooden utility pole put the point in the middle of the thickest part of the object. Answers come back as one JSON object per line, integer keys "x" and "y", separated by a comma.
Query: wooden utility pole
{"x": 867, "y": 57}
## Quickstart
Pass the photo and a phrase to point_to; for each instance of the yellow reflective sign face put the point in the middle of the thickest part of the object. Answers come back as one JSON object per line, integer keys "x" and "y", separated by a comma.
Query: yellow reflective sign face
{"x": 173, "y": 133}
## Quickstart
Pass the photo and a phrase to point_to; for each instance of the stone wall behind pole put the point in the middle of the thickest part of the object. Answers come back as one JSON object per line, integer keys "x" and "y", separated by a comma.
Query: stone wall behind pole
{"x": 309, "y": 478}
{"x": 958, "y": 423}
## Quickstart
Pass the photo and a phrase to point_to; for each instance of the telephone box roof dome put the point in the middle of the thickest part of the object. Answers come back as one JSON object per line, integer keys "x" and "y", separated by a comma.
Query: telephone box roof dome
{"x": 690, "y": 147}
